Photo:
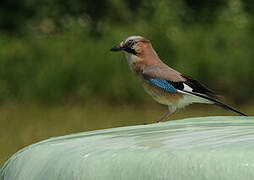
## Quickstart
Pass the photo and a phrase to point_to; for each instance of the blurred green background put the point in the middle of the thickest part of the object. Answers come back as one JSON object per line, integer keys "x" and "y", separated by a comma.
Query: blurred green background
{"x": 57, "y": 75}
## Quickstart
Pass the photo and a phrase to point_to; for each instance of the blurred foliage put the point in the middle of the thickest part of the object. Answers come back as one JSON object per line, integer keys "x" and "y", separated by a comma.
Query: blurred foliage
{"x": 55, "y": 51}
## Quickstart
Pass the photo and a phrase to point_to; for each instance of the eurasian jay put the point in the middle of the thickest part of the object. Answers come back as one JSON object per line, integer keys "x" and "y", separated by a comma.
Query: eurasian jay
{"x": 166, "y": 85}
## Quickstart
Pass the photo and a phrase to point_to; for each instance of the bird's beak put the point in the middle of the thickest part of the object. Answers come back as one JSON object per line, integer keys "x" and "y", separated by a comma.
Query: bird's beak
{"x": 118, "y": 48}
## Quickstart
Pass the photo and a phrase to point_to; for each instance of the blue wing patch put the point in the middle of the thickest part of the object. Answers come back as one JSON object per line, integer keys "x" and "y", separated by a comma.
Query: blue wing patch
{"x": 163, "y": 84}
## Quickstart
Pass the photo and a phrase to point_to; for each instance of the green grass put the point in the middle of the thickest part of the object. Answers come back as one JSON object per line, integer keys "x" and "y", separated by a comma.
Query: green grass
{"x": 24, "y": 124}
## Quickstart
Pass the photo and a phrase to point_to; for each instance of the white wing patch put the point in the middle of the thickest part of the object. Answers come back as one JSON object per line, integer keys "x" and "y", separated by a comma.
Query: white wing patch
{"x": 187, "y": 88}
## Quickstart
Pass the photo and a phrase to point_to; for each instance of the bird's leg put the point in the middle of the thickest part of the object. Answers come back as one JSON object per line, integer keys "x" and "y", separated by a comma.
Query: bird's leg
{"x": 171, "y": 110}
{"x": 164, "y": 117}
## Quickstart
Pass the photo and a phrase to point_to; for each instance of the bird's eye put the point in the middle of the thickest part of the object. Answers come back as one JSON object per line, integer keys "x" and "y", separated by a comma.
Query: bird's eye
{"x": 131, "y": 43}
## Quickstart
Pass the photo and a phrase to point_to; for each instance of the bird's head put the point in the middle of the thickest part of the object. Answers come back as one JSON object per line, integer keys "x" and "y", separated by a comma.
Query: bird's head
{"x": 133, "y": 45}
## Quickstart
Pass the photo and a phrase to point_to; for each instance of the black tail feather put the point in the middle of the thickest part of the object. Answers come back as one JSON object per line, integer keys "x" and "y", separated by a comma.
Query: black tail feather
{"x": 229, "y": 108}
{"x": 218, "y": 103}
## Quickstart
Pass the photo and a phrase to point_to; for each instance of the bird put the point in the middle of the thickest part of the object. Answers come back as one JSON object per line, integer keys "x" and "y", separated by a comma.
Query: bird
{"x": 166, "y": 85}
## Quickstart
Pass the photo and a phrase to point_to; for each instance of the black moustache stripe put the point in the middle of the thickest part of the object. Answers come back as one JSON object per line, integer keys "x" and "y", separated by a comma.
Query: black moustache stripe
{"x": 129, "y": 50}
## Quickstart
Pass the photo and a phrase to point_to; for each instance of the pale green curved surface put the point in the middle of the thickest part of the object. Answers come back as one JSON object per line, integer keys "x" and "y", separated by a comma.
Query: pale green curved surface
{"x": 212, "y": 148}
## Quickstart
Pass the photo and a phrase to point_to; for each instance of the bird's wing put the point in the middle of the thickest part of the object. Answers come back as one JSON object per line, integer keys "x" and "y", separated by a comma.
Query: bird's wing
{"x": 174, "y": 82}
{"x": 163, "y": 72}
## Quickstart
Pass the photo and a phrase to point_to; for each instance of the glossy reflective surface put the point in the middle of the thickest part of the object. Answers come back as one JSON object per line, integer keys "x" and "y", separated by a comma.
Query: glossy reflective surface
{"x": 195, "y": 148}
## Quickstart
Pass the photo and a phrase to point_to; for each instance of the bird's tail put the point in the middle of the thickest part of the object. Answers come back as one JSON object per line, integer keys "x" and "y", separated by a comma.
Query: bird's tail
{"x": 216, "y": 102}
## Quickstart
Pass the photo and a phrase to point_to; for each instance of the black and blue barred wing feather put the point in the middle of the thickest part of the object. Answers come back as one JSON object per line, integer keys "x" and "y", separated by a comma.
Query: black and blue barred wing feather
{"x": 163, "y": 84}
{"x": 187, "y": 84}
